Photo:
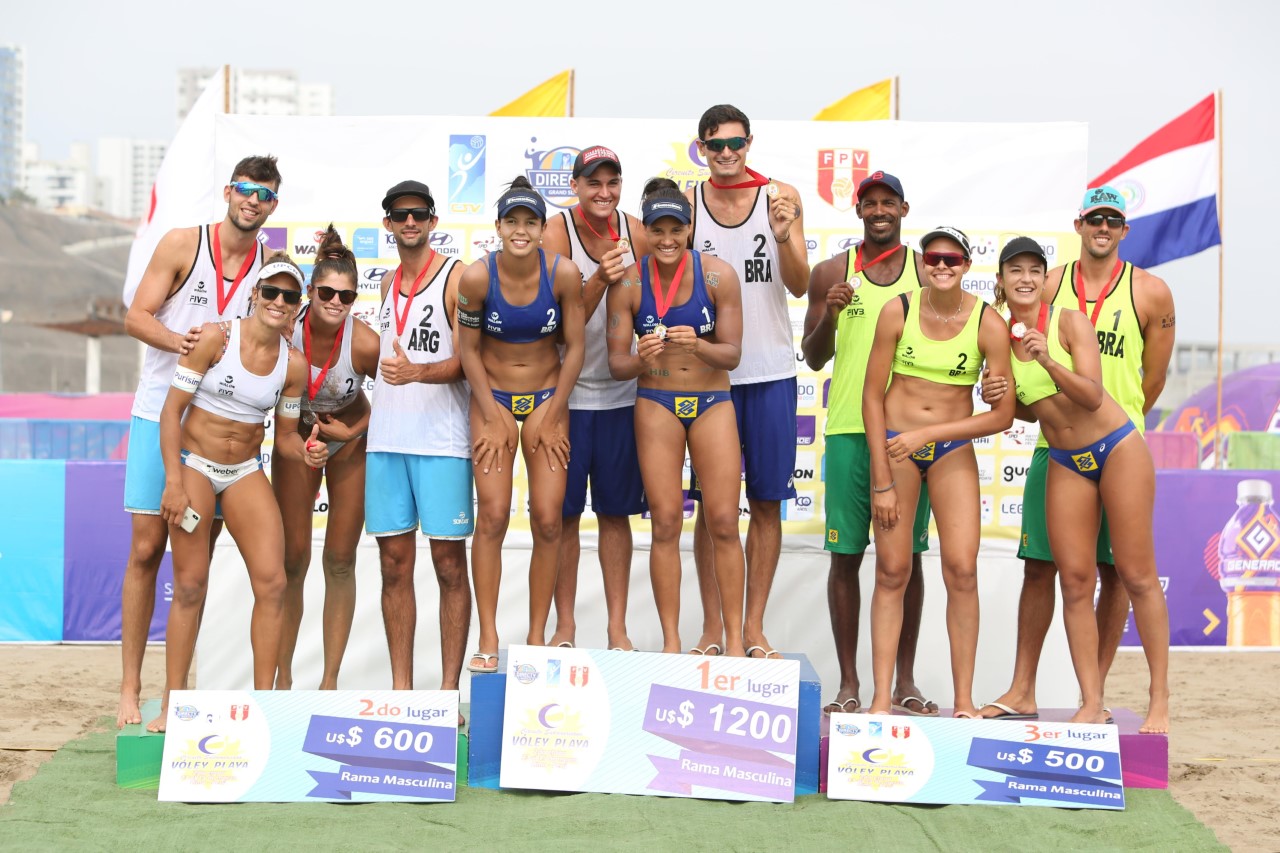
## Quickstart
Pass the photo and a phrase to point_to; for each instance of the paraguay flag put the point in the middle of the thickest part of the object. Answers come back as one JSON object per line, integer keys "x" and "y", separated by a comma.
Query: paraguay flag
{"x": 1170, "y": 185}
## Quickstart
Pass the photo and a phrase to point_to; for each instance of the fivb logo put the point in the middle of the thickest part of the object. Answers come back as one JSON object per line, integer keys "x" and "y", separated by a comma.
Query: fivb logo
{"x": 840, "y": 170}
{"x": 466, "y": 173}
{"x": 550, "y": 172}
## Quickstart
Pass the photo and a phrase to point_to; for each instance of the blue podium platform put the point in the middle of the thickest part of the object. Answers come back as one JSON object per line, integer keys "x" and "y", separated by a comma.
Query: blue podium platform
{"x": 488, "y": 697}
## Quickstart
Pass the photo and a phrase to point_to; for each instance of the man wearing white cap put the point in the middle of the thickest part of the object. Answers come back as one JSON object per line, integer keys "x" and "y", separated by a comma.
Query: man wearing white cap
{"x": 1133, "y": 313}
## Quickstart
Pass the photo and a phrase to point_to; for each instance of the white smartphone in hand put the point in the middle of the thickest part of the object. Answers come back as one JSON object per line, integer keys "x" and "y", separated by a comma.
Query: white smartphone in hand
{"x": 190, "y": 519}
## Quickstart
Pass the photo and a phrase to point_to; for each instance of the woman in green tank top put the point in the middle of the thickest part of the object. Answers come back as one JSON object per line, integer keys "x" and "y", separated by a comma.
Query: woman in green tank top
{"x": 928, "y": 351}
{"x": 1101, "y": 463}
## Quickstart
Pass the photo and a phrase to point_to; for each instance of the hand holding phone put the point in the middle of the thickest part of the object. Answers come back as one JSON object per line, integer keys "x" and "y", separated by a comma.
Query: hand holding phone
{"x": 190, "y": 519}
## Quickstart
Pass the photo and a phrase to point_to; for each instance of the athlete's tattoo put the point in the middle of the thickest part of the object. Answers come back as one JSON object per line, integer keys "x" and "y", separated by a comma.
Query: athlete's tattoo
{"x": 614, "y": 321}
{"x": 713, "y": 279}
{"x": 463, "y": 299}
{"x": 657, "y": 371}
{"x": 1168, "y": 321}
{"x": 626, "y": 282}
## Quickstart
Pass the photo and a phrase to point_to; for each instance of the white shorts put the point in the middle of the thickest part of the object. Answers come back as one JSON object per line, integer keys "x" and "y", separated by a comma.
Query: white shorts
{"x": 221, "y": 476}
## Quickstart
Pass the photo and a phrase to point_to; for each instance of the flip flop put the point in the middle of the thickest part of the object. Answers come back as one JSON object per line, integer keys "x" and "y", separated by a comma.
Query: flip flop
{"x": 564, "y": 644}
{"x": 924, "y": 703}
{"x": 707, "y": 651}
{"x": 1007, "y": 713}
{"x": 768, "y": 654}
{"x": 836, "y": 706}
{"x": 485, "y": 658}
{"x": 965, "y": 715}
{"x": 621, "y": 649}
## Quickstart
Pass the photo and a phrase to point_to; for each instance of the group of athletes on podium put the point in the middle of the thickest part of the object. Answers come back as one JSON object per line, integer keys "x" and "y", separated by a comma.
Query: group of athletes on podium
{"x": 603, "y": 346}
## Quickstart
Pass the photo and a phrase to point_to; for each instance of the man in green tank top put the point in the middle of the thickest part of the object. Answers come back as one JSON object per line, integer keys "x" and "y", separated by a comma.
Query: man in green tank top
{"x": 1133, "y": 313}
{"x": 846, "y": 293}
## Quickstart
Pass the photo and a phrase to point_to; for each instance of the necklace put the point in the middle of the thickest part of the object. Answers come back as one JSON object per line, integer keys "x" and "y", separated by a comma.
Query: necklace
{"x": 939, "y": 316}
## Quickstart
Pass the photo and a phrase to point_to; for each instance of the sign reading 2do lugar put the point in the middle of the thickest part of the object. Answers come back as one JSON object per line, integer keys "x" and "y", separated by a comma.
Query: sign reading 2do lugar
{"x": 635, "y": 723}
{"x": 892, "y": 759}
{"x": 226, "y": 746}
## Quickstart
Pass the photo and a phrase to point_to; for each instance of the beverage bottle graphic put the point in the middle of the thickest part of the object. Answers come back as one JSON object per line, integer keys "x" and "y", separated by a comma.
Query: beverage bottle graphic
{"x": 1249, "y": 567}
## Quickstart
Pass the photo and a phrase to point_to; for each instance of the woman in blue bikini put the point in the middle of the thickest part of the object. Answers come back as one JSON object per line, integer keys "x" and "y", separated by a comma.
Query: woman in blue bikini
{"x": 1099, "y": 461}
{"x": 686, "y": 310}
{"x": 513, "y": 308}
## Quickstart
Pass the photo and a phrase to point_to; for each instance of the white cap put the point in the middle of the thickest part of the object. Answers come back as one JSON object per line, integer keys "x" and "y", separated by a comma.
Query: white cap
{"x": 1256, "y": 491}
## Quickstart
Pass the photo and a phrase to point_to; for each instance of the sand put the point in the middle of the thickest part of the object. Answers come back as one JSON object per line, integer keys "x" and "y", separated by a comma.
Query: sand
{"x": 1224, "y": 755}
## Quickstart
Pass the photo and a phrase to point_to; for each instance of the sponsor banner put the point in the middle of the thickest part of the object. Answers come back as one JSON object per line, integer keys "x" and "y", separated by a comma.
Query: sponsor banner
{"x": 243, "y": 746}
{"x": 941, "y": 761}
{"x": 636, "y": 723}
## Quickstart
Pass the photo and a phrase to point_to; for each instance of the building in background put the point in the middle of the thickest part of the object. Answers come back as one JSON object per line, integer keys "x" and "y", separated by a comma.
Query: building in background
{"x": 66, "y": 186}
{"x": 258, "y": 92}
{"x": 126, "y": 171}
{"x": 13, "y": 95}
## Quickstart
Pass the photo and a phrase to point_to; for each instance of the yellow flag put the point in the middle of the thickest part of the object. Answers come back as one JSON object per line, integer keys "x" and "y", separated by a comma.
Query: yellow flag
{"x": 551, "y": 98}
{"x": 874, "y": 103}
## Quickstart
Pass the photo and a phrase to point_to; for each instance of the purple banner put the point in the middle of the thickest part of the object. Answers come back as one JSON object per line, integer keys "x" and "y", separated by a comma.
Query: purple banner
{"x": 1217, "y": 554}
{"x": 728, "y": 743}
{"x": 97, "y": 533}
{"x": 377, "y": 743}
{"x": 400, "y": 783}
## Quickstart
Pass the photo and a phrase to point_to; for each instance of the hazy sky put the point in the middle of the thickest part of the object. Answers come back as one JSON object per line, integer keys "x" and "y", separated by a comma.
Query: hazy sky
{"x": 96, "y": 69}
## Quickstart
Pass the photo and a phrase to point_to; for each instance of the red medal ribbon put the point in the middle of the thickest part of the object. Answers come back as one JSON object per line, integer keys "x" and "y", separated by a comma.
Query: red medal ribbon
{"x": 224, "y": 299}
{"x": 757, "y": 180}
{"x": 1102, "y": 297}
{"x": 859, "y": 266}
{"x": 613, "y": 235}
{"x": 662, "y": 301}
{"x": 402, "y": 319}
{"x": 313, "y": 387}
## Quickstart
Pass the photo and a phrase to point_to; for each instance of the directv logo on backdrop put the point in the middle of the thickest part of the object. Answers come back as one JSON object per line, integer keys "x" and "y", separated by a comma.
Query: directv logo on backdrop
{"x": 550, "y": 172}
{"x": 466, "y": 173}
{"x": 364, "y": 242}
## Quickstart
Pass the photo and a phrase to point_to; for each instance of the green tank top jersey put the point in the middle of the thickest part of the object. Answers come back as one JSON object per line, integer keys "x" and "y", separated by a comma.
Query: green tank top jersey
{"x": 1119, "y": 340}
{"x": 957, "y": 361}
{"x": 1032, "y": 380}
{"x": 855, "y": 332}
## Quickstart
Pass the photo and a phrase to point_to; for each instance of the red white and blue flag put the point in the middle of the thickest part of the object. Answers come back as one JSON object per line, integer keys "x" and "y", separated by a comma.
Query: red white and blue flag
{"x": 1170, "y": 185}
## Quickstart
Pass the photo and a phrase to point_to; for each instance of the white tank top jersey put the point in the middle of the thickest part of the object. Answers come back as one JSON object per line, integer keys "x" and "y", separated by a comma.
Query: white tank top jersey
{"x": 194, "y": 304}
{"x": 420, "y": 418}
{"x": 229, "y": 389}
{"x": 768, "y": 347}
{"x": 341, "y": 383}
{"x": 596, "y": 389}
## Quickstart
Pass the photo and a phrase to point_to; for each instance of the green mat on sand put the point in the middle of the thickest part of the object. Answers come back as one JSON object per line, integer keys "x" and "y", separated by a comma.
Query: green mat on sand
{"x": 73, "y": 803}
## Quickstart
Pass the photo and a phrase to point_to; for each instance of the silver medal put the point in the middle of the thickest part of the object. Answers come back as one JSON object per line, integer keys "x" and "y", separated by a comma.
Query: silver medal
{"x": 1019, "y": 330}
{"x": 661, "y": 331}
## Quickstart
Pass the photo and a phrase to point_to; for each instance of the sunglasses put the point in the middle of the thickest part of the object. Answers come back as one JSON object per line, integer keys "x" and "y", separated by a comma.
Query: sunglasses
{"x": 951, "y": 259}
{"x": 270, "y": 293}
{"x": 733, "y": 143}
{"x": 326, "y": 294}
{"x": 1096, "y": 219}
{"x": 419, "y": 214}
{"x": 249, "y": 188}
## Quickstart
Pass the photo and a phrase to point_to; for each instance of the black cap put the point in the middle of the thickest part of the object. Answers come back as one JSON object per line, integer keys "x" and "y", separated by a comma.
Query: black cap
{"x": 405, "y": 188}
{"x": 1022, "y": 246}
{"x": 947, "y": 231}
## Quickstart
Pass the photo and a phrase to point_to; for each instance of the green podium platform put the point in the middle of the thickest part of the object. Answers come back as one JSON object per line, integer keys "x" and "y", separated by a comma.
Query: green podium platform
{"x": 139, "y": 753}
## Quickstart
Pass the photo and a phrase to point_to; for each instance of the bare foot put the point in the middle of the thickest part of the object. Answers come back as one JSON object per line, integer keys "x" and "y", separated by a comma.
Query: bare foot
{"x": 735, "y": 650}
{"x": 1157, "y": 721}
{"x": 1020, "y": 703}
{"x": 129, "y": 713}
{"x": 672, "y": 648}
{"x": 327, "y": 684}
{"x": 284, "y": 681}
{"x": 157, "y": 725}
{"x": 1091, "y": 714}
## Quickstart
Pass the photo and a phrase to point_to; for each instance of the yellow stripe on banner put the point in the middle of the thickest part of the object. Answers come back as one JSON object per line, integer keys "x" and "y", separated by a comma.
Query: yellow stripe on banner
{"x": 547, "y": 99}
{"x": 872, "y": 103}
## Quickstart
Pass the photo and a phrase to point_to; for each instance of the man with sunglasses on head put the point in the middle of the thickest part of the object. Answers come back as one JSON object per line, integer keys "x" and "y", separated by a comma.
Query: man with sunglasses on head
{"x": 846, "y": 293}
{"x": 418, "y": 458}
{"x": 1132, "y": 311}
{"x": 755, "y": 224}
{"x": 603, "y": 243}
{"x": 197, "y": 275}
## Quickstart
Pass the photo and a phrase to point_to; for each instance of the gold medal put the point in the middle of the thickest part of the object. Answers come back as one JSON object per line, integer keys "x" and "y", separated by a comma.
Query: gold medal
{"x": 624, "y": 244}
{"x": 661, "y": 331}
{"x": 772, "y": 190}
{"x": 855, "y": 282}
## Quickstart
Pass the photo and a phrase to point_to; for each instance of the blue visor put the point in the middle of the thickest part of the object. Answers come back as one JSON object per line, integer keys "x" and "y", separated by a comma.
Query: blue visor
{"x": 655, "y": 208}
{"x": 512, "y": 199}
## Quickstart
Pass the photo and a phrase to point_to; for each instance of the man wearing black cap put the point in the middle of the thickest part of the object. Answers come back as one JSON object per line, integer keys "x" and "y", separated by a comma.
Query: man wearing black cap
{"x": 755, "y": 224}
{"x": 602, "y": 242}
{"x": 1133, "y": 313}
{"x": 846, "y": 293}
{"x": 418, "y": 470}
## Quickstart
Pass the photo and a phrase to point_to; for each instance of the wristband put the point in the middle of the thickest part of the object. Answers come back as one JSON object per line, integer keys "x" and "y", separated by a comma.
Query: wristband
{"x": 186, "y": 379}
{"x": 289, "y": 407}
{"x": 470, "y": 319}
{"x": 892, "y": 483}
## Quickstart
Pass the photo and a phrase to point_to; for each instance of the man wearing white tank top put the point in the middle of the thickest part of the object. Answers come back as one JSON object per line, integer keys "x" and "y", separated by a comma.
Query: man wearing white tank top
{"x": 754, "y": 223}
{"x": 418, "y": 459}
{"x": 603, "y": 243}
{"x": 197, "y": 275}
